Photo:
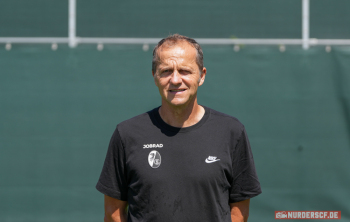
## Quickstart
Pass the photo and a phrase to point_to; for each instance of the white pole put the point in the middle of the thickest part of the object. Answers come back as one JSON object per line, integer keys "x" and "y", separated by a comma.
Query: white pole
{"x": 305, "y": 21}
{"x": 72, "y": 24}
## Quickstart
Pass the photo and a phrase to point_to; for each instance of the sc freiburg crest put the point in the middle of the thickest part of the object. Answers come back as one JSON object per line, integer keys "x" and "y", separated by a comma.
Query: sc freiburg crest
{"x": 154, "y": 159}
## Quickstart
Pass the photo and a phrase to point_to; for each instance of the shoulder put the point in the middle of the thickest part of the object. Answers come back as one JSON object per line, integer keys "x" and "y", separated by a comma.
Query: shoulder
{"x": 222, "y": 117}
{"x": 222, "y": 122}
{"x": 139, "y": 119}
{"x": 142, "y": 122}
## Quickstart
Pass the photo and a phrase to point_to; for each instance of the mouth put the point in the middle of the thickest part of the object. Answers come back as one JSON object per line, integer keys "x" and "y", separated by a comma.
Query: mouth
{"x": 176, "y": 90}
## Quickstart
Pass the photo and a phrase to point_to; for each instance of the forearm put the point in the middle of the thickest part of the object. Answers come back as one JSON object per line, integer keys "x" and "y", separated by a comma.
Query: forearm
{"x": 116, "y": 217}
{"x": 235, "y": 218}
{"x": 240, "y": 211}
{"x": 115, "y": 210}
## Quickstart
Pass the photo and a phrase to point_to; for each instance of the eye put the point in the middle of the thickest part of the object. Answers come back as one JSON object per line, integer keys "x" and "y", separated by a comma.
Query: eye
{"x": 184, "y": 71}
{"x": 166, "y": 71}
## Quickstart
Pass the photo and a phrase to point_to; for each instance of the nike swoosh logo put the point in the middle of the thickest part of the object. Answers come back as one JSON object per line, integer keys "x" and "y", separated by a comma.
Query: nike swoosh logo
{"x": 211, "y": 161}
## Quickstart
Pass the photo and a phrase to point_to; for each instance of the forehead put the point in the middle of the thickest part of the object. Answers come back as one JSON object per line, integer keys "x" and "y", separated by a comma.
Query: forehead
{"x": 181, "y": 52}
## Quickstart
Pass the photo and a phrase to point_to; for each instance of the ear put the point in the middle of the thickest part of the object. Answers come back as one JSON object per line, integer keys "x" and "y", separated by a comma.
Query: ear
{"x": 201, "y": 80}
{"x": 154, "y": 78}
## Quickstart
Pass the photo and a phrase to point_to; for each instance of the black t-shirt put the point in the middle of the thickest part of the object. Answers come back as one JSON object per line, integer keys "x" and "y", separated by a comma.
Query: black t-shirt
{"x": 179, "y": 174}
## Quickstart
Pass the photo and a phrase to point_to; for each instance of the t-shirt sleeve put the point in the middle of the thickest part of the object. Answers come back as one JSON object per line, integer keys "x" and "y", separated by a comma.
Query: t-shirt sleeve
{"x": 112, "y": 180}
{"x": 245, "y": 183}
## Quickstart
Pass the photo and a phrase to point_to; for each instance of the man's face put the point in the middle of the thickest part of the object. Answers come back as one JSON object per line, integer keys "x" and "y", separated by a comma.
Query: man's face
{"x": 177, "y": 75}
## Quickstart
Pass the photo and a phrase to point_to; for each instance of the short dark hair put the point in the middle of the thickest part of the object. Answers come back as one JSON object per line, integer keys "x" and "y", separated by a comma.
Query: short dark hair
{"x": 172, "y": 40}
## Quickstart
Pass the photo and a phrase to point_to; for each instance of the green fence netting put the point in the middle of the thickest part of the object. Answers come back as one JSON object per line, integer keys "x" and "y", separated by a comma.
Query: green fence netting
{"x": 58, "y": 110}
{"x": 158, "y": 18}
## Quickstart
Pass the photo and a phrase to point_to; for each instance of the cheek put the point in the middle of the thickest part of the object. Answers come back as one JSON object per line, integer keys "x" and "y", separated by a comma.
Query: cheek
{"x": 192, "y": 81}
{"x": 161, "y": 83}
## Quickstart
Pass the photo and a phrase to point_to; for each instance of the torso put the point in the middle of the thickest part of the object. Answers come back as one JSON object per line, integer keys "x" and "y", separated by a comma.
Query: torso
{"x": 179, "y": 174}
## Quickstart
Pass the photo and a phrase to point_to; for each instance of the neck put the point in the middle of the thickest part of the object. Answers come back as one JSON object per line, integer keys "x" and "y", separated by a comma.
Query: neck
{"x": 181, "y": 116}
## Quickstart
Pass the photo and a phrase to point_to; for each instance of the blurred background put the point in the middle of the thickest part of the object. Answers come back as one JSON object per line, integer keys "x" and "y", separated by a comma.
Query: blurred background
{"x": 60, "y": 105}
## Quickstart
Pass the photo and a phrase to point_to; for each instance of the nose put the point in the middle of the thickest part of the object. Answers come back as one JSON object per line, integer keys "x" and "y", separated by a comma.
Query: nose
{"x": 175, "y": 78}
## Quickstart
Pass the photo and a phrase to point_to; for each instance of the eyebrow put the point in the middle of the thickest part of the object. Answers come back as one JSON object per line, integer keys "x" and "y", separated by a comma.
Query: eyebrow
{"x": 170, "y": 67}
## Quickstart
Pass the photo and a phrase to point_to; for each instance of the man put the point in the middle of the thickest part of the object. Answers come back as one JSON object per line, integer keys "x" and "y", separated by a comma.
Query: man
{"x": 180, "y": 161}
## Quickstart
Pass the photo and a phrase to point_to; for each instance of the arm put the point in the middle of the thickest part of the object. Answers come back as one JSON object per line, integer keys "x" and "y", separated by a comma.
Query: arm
{"x": 115, "y": 210}
{"x": 240, "y": 211}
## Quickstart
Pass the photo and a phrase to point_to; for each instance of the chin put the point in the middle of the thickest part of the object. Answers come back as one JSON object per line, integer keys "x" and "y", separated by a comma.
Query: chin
{"x": 178, "y": 102}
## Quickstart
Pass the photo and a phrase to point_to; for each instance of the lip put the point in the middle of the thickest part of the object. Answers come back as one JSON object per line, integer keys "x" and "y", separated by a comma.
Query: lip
{"x": 177, "y": 91}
